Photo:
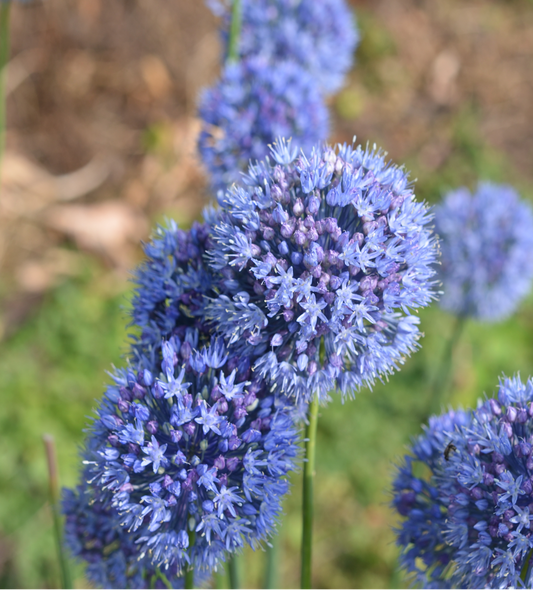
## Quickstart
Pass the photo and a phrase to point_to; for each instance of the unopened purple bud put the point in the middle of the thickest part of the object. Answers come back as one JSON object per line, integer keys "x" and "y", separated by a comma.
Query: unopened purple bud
{"x": 113, "y": 440}
{"x": 185, "y": 351}
{"x": 522, "y": 416}
{"x": 300, "y": 238}
{"x": 313, "y": 205}
{"x": 511, "y": 414}
{"x": 222, "y": 406}
{"x": 223, "y": 479}
{"x": 190, "y": 428}
{"x": 276, "y": 340}
{"x": 476, "y": 493}
{"x": 126, "y": 394}
{"x": 219, "y": 462}
{"x": 251, "y": 436}
{"x": 288, "y": 315}
{"x": 359, "y": 238}
{"x": 239, "y": 413}
{"x": 369, "y": 227}
{"x": 123, "y": 406}
{"x": 343, "y": 239}
{"x": 499, "y": 468}
{"x": 152, "y": 426}
{"x": 138, "y": 391}
{"x": 488, "y": 479}
{"x": 529, "y": 463}
{"x": 234, "y": 443}
{"x": 313, "y": 367}
{"x": 527, "y": 487}
{"x": 495, "y": 407}
{"x": 298, "y": 208}
{"x": 283, "y": 248}
{"x": 249, "y": 398}
{"x": 296, "y": 258}
{"x": 176, "y": 435}
{"x": 507, "y": 429}
{"x": 232, "y": 463}
{"x": 329, "y": 297}
{"x": 133, "y": 448}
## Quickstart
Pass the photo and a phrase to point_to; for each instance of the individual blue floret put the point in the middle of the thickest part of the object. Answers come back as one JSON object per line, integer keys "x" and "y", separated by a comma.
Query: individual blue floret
{"x": 486, "y": 242}
{"x": 197, "y": 473}
{"x": 467, "y": 520}
{"x": 254, "y": 102}
{"x": 320, "y": 36}
{"x": 324, "y": 257}
{"x": 94, "y": 535}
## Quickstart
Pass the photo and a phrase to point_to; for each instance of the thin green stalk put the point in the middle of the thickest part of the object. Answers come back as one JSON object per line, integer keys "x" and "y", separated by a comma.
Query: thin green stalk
{"x": 307, "y": 503}
{"x": 220, "y": 578}
{"x": 526, "y": 568}
{"x": 235, "y": 31}
{"x": 443, "y": 378}
{"x": 164, "y": 579}
{"x": 234, "y": 572}
{"x": 189, "y": 574}
{"x": 4, "y": 54}
{"x": 53, "y": 477}
{"x": 271, "y": 571}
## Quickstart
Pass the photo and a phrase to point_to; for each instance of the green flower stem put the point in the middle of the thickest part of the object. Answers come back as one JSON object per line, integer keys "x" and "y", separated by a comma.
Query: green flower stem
{"x": 4, "y": 54}
{"x": 526, "y": 568}
{"x": 307, "y": 504}
{"x": 53, "y": 477}
{"x": 220, "y": 578}
{"x": 271, "y": 571}
{"x": 235, "y": 31}
{"x": 165, "y": 580}
{"x": 234, "y": 572}
{"x": 189, "y": 573}
{"x": 444, "y": 375}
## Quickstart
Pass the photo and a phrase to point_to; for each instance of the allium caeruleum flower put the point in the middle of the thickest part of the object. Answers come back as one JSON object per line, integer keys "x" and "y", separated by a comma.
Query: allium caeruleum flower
{"x": 254, "y": 102}
{"x": 323, "y": 255}
{"x": 481, "y": 497}
{"x": 320, "y": 36}
{"x": 93, "y": 534}
{"x": 487, "y": 239}
{"x": 196, "y": 447}
{"x": 170, "y": 288}
{"x": 424, "y": 553}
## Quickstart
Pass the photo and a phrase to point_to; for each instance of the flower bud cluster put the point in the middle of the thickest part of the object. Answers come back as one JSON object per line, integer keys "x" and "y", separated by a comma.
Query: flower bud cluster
{"x": 253, "y": 103}
{"x": 195, "y": 449}
{"x": 481, "y": 497}
{"x": 486, "y": 241}
{"x": 318, "y": 256}
{"x": 321, "y": 37}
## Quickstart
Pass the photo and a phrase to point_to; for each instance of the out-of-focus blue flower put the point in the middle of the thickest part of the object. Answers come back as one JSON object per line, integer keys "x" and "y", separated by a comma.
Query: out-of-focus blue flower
{"x": 320, "y": 36}
{"x": 254, "y": 102}
{"x": 468, "y": 521}
{"x": 210, "y": 458}
{"x": 323, "y": 257}
{"x": 487, "y": 239}
{"x": 93, "y": 534}
{"x": 170, "y": 288}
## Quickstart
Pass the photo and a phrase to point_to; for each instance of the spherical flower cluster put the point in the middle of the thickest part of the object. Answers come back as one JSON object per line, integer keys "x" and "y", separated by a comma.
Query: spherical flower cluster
{"x": 320, "y": 36}
{"x": 483, "y": 489}
{"x": 487, "y": 239}
{"x": 93, "y": 533}
{"x": 171, "y": 285}
{"x": 319, "y": 254}
{"x": 192, "y": 458}
{"x": 252, "y": 104}
{"x": 424, "y": 552}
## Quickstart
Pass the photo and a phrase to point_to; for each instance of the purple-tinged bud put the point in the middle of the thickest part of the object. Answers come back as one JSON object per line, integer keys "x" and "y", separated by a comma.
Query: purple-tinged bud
{"x": 329, "y": 297}
{"x": 126, "y": 394}
{"x": 313, "y": 205}
{"x": 157, "y": 390}
{"x": 176, "y": 435}
{"x": 249, "y": 399}
{"x": 190, "y": 428}
{"x": 239, "y": 413}
{"x": 127, "y": 487}
{"x": 208, "y": 506}
{"x": 234, "y": 443}
{"x": 256, "y": 250}
{"x": 343, "y": 239}
{"x": 287, "y": 228}
{"x": 276, "y": 340}
{"x": 529, "y": 463}
{"x": 511, "y": 414}
{"x": 222, "y": 406}
{"x": 251, "y": 436}
{"x": 223, "y": 445}
{"x": 368, "y": 283}
{"x": 313, "y": 367}
{"x": 498, "y": 457}
{"x": 185, "y": 351}
{"x": 123, "y": 406}
{"x": 296, "y": 258}
{"x": 335, "y": 282}
{"x": 522, "y": 416}
{"x": 147, "y": 378}
{"x": 299, "y": 237}
{"x": 215, "y": 393}
{"x": 288, "y": 315}
{"x": 283, "y": 248}
{"x": 320, "y": 227}
{"x": 113, "y": 440}
{"x": 219, "y": 462}
{"x": 223, "y": 479}
{"x": 507, "y": 429}
{"x": 358, "y": 238}
{"x": 488, "y": 479}
{"x": 476, "y": 493}
{"x": 369, "y": 227}
{"x": 499, "y": 468}
{"x": 152, "y": 426}
{"x": 232, "y": 463}
{"x": 312, "y": 235}
{"x": 527, "y": 487}
{"x": 138, "y": 391}
{"x": 298, "y": 208}
{"x": 495, "y": 407}
{"x": 279, "y": 215}
{"x": 268, "y": 233}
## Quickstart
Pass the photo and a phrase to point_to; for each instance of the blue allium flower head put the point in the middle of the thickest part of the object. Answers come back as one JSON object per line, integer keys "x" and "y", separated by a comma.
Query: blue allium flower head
{"x": 252, "y": 104}
{"x": 194, "y": 446}
{"x": 322, "y": 257}
{"x": 468, "y": 523}
{"x": 487, "y": 239}
{"x": 94, "y": 535}
{"x": 170, "y": 287}
{"x": 320, "y": 36}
